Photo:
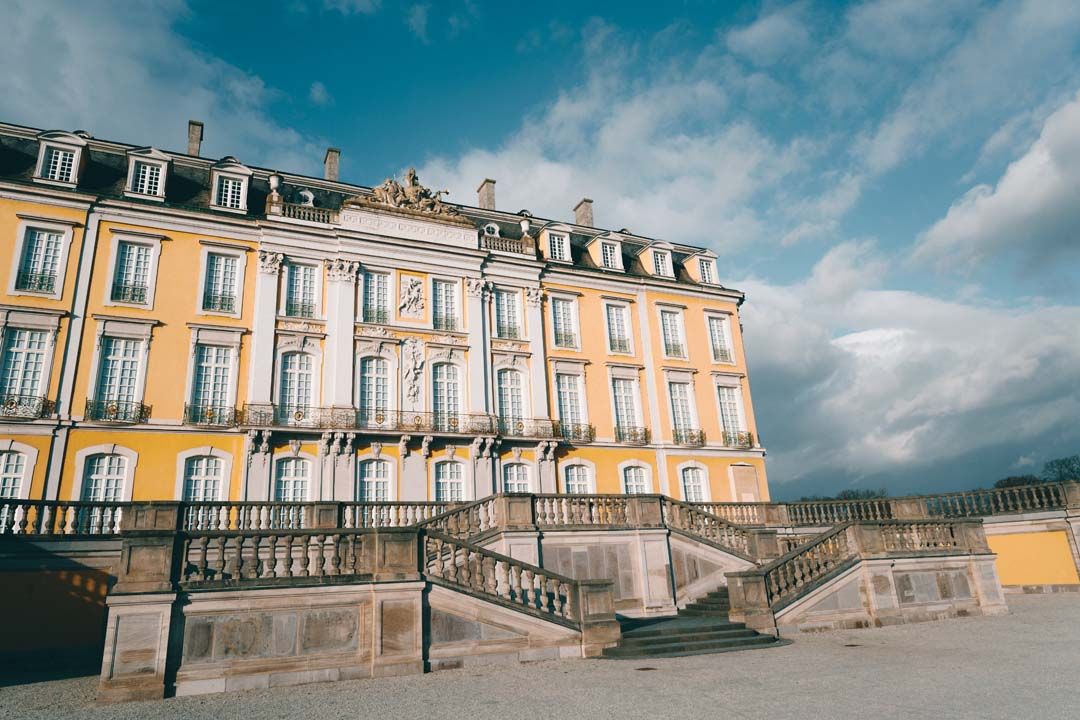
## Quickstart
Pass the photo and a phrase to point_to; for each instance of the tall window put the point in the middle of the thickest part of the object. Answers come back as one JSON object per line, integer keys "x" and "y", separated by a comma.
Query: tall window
{"x": 671, "y": 326}
{"x": 40, "y": 258}
{"x": 119, "y": 372}
{"x": 558, "y": 247}
{"x": 730, "y": 415}
{"x": 374, "y": 481}
{"x": 634, "y": 482}
{"x": 693, "y": 484}
{"x": 706, "y": 268}
{"x": 568, "y": 395}
{"x": 291, "y": 480}
{"x": 618, "y": 335}
{"x": 444, "y": 305}
{"x": 202, "y": 479}
{"x": 59, "y": 165}
{"x": 625, "y": 406}
{"x": 507, "y": 323}
{"x": 375, "y": 297}
{"x": 103, "y": 478}
{"x": 219, "y": 291}
{"x": 718, "y": 339}
{"x": 210, "y": 385}
{"x": 680, "y": 406}
{"x": 562, "y": 320}
{"x": 449, "y": 482}
{"x": 510, "y": 401}
{"x": 610, "y": 255}
{"x": 515, "y": 478}
{"x": 23, "y": 362}
{"x": 577, "y": 480}
{"x": 229, "y": 192}
{"x": 132, "y": 276}
{"x": 295, "y": 396}
{"x": 662, "y": 263}
{"x": 300, "y": 291}
{"x": 146, "y": 178}
{"x": 374, "y": 390}
{"x": 445, "y": 395}
{"x": 12, "y": 467}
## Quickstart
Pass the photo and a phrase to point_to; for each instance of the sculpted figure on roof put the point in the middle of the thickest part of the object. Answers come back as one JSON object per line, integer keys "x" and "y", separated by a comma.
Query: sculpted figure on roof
{"x": 412, "y": 195}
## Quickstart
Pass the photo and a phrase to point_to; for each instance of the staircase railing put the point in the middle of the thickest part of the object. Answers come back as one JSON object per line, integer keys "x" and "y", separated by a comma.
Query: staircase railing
{"x": 694, "y": 521}
{"x": 465, "y": 521}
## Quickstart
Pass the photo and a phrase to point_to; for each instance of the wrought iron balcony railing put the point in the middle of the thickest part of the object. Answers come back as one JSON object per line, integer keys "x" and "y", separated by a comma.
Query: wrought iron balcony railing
{"x": 565, "y": 339}
{"x": 620, "y": 344}
{"x": 119, "y": 411}
{"x": 508, "y": 332}
{"x": 375, "y": 315}
{"x": 24, "y": 407}
{"x": 575, "y": 432}
{"x": 35, "y": 282}
{"x": 527, "y": 427}
{"x": 675, "y": 350}
{"x": 129, "y": 293}
{"x": 691, "y": 437}
{"x": 219, "y": 303}
{"x": 210, "y": 415}
{"x": 444, "y": 322}
{"x": 631, "y": 435}
{"x": 269, "y": 415}
{"x": 295, "y": 308}
{"x": 722, "y": 354}
{"x": 738, "y": 439}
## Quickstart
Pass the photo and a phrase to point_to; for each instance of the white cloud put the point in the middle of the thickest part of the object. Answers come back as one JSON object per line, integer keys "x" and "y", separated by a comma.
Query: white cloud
{"x": 1032, "y": 211}
{"x": 771, "y": 38}
{"x": 127, "y": 76}
{"x": 418, "y": 21}
{"x": 906, "y": 29}
{"x": 319, "y": 95}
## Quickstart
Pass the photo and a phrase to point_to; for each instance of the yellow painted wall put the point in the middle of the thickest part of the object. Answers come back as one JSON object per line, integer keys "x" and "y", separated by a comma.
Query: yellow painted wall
{"x": 719, "y": 473}
{"x": 41, "y": 444}
{"x": 1040, "y": 558}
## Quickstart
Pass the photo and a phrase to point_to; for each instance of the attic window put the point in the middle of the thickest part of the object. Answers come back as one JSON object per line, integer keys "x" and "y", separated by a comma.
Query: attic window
{"x": 491, "y": 230}
{"x": 59, "y": 165}
{"x": 706, "y": 268}
{"x": 662, "y": 263}
{"x": 558, "y": 247}
{"x": 228, "y": 192}
{"x": 610, "y": 255}
{"x": 229, "y": 184}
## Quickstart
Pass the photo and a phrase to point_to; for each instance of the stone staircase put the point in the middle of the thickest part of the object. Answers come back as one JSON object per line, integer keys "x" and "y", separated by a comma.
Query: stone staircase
{"x": 700, "y": 628}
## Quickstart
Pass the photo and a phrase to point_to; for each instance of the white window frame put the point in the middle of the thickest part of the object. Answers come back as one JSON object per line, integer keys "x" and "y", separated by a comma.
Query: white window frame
{"x": 30, "y": 454}
{"x": 528, "y": 476}
{"x": 710, "y": 264}
{"x": 32, "y": 222}
{"x": 650, "y": 486}
{"x": 46, "y": 356}
{"x": 127, "y": 330}
{"x": 205, "y": 451}
{"x": 81, "y": 456}
{"x": 212, "y": 248}
{"x": 577, "y": 372}
{"x": 461, "y": 379}
{"x": 208, "y": 335}
{"x": 616, "y": 248}
{"x": 230, "y": 168}
{"x": 734, "y": 382}
{"x": 314, "y": 478}
{"x": 66, "y": 142}
{"x": 561, "y": 240}
{"x": 283, "y": 292}
{"x": 466, "y": 476}
{"x": 575, "y": 319}
{"x": 706, "y": 487}
{"x": 725, "y": 329}
{"x": 32, "y": 319}
{"x": 624, "y": 308}
{"x": 590, "y": 475}
{"x": 630, "y": 375}
{"x": 668, "y": 263}
{"x": 152, "y": 157}
{"x": 391, "y": 475}
{"x": 691, "y": 399}
{"x": 680, "y": 323}
{"x": 148, "y": 239}
{"x": 455, "y": 292}
{"x": 514, "y": 302}
{"x": 363, "y": 288}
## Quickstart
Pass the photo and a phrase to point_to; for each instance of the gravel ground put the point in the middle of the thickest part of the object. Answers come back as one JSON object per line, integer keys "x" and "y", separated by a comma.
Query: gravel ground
{"x": 1025, "y": 664}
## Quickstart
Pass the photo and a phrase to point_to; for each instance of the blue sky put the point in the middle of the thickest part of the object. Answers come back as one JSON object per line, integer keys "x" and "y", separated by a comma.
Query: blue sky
{"x": 892, "y": 183}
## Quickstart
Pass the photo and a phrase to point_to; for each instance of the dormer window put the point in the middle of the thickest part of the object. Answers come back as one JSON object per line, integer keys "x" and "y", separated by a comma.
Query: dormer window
{"x": 147, "y": 169}
{"x": 60, "y": 157}
{"x": 705, "y": 267}
{"x": 230, "y": 185}
{"x": 662, "y": 263}
{"x": 559, "y": 247}
{"x": 610, "y": 255}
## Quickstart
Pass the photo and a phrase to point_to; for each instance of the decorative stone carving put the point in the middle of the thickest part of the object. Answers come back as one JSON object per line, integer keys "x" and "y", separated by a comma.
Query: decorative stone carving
{"x": 545, "y": 450}
{"x": 403, "y": 446}
{"x": 349, "y": 439}
{"x": 425, "y": 446}
{"x": 294, "y": 446}
{"x": 374, "y": 331}
{"x": 300, "y": 326}
{"x": 270, "y": 262}
{"x": 534, "y": 296}
{"x": 411, "y": 195}
{"x": 511, "y": 346}
{"x": 414, "y": 369}
{"x": 258, "y": 442}
{"x": 342, "y": 270}
{"x": 326, "y": 444}
{"x": 451, "y": 451}
{"x": 376, "y": 449}
{"x": 450, "y": 340}
{"x": 411, "y": 297}
{"x": 476, "y": 448}
{"x": 475, "y": 287}
{"x": 517, "y": 454}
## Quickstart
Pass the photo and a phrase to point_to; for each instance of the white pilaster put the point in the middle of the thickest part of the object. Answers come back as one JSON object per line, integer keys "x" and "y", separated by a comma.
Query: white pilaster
{"x": 262, "y": 331}
{"x": 340, "y": 319}
{"x": 538, "y": 379}
{"x": 478, "y": 294}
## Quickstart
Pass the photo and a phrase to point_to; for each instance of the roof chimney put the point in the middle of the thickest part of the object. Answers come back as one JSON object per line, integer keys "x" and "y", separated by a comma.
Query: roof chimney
{"x": 485, "y": 194}
{"x": 194, "y": 137}
{"x": 583, "y": 213}
{"x": 330, "y": 163}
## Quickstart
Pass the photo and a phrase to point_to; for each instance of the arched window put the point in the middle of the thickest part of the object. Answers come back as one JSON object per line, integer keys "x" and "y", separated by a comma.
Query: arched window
{"x": 449, "y": 482}
{"x": 693, "y": 484}
{"x": 515, "y": 478}
{"x": 12, "y": 467}
{"x": 202, "y": 479}
{"x": 374, "y": 391}
{"x": 295, "y": 390}
{"x": 634, "y": 481}
{"x": 291, "y": 479}
{"x": 446, "y": 396}
{"x": 103, "y": 481}
{"x": 510, "y": 403}
{"x": 374, "y": 481}
{"x": 577, "y": 480}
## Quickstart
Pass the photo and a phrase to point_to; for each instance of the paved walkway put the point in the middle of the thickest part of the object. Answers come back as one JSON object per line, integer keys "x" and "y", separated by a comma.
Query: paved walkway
{"x": 1026, "y": 664}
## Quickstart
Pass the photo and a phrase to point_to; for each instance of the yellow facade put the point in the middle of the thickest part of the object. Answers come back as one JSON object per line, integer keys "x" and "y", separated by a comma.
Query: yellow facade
{"x": 1037, "y": 558}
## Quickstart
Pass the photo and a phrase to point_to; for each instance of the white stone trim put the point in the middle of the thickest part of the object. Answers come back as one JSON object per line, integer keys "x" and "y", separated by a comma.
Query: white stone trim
{"x": 147, "y": 156}
{"x": 587, "y": 464}
{"x": 25, "y": 225}
{"x": 128, "y": 328}
{"x": 205, "y": 451}
{"x": 288, "y": 262}
{"x": 228, "y": 167}
{"x": 31, "y": 454}
{"x": 240, "y": 253}
{"x": 636, "y": 463}
{"x": 135, "y": 238}
{"x": 314, "y": 480}
{"x": 60, "y": 140}
{"x": 82, "y": 455}
{"x": 392, "y": 480}
{"x": 302, "y": 344}
{"x": 707, "y": 485}
{"x": 624, "y": 307}
{"x": 466, "y": 473}
{"x": 532, "y": 471}
{"x": 29, "y": 318}
{"x": 220, "y": 336}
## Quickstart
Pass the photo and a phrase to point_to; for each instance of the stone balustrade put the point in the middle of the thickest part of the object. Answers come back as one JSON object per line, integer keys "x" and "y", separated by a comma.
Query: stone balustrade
{"x": 581, "y": 510}
{"x": 729, "y": 536}
{"x": 58, "y": 517}
{"x": 389, "y": 514}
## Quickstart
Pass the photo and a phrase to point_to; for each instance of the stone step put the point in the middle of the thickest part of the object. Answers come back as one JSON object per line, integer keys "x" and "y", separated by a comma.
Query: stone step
{"x": 676, "y": 649}
{"x": 687, "y": 637}
{"x": 710, "y": 603}
{"x": 684, "y": 626}
{"x": 702, "y": 612}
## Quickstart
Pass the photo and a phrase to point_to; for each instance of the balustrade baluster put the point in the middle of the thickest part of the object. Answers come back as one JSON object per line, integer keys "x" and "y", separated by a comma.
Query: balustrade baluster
{"x": 452, "y": 568}
{"x": 305, "y": 555}
{"x": 255, "y": 567}
{"x": 515, "y": 583}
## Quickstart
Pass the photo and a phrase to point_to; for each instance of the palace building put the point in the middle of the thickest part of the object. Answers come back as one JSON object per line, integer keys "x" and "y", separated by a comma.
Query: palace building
{"x": 180, "y": 328}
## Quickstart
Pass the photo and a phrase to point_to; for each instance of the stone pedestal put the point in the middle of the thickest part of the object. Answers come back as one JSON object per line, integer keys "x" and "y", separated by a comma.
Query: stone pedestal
{"x": 136, "y": 647}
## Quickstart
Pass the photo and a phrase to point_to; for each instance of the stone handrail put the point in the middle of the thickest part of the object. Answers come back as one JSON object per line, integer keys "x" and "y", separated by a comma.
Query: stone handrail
{"x": 465, "y": 521}
{"x": 58, "y": 517}
{"x": 788, "y": 576}
{"x": 248, "y": 515}
{"x": 464, "y": 566}
{"x": 580, "y": 510}
{"x": 831, "y": 512}
{"x": 695, "y": 521}
{"x": 1000, "y": 501}
{"x": 738, "y": 513}
{"x": 389, "y": 514}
